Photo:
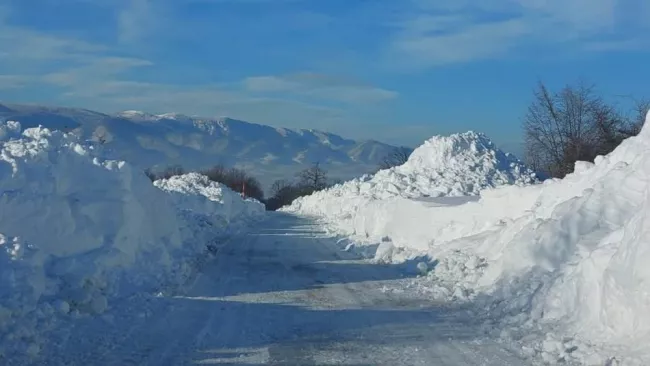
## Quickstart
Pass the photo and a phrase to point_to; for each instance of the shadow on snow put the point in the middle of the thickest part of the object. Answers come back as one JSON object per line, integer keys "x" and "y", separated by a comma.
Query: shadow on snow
{"x": 288, "y": 253}
{"x": 205, "y": 327}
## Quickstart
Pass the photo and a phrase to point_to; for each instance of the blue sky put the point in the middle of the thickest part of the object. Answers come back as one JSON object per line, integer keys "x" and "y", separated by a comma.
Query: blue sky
{"x": 394, "y": 70}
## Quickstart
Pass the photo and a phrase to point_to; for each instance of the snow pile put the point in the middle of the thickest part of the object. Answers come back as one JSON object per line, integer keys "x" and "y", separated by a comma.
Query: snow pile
{"x": 565, "y": 263}
{"x": 77, "y": 232}
{"x": 199, "y": 195}
{"x": 444, "y": 166}
{"x": 577, "y": 260}
{"x": 457, "y": 165}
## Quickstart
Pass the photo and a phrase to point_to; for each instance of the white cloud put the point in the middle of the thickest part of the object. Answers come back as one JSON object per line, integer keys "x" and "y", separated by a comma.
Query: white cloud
{"x": 13, "y": 81}
{"x": 98, "y": 76}
{"x": 614, "y": 45}
{"x": 37, "y": 59}
{"x": 270, "y": 84}
{"x": 206, "y": 100}
{"x": 97, "y": 69}
{"x": 354, "y": 94}
{"x": 444, "y": 31}
{"x": 319, "y": 86}
{"x": 26, "y": 45}
{"x": 480, "y": 41}
{"x": 136, "y": 21}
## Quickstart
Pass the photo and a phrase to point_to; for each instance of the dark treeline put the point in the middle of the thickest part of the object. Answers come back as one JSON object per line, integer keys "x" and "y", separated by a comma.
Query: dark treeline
{"x": 306, "y": 182}
{"x": 575, "y": 123}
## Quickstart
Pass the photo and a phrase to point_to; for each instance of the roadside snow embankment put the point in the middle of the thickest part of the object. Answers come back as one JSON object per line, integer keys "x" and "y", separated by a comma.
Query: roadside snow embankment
{"x": 577, "y": 261}
{"x": 561, "y": 266}
{"x": 199, "y": 195}
{"x": 444, "y": 171}
{"x": 77, "y": 232}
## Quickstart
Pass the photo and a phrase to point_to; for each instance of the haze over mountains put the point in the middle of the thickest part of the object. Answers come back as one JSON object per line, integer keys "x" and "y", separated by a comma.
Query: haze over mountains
{"x": 158, "y": 141}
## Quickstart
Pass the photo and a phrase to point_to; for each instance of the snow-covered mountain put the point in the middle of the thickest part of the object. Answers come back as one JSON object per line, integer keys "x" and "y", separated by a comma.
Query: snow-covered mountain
{"x": 152, "y": 141}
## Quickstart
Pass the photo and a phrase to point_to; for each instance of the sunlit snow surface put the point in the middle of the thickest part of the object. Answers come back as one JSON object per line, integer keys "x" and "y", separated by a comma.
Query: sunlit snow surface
{"x": 564, "y": 263}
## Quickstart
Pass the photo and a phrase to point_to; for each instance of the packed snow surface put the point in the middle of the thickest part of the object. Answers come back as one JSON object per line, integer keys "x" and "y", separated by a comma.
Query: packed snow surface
{"x": 77, "y": 231}
{"x": 562, "y": 265}
{"x": 283, "y": 293}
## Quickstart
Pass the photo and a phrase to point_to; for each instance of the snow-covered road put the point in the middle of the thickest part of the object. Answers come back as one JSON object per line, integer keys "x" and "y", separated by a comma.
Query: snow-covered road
{"x": 284, "y": 294}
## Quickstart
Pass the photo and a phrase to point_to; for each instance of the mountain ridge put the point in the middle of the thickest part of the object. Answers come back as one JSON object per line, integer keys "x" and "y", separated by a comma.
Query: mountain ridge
{"x": 193, "y": 142}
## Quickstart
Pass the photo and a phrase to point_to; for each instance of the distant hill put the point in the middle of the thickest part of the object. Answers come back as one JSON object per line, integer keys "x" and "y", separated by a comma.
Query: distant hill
{"x": 155, "y": 141}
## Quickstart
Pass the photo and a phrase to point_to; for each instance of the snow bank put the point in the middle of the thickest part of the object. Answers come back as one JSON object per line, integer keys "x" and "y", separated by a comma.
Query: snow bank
{"x": 457, "y": 165}
{"x": 578, "y": 259}
{"x": 444, "y": 166}
{"x": 77, "y": 232}
{"x": 195, "y": 193}
{"x": 564, "y": 262}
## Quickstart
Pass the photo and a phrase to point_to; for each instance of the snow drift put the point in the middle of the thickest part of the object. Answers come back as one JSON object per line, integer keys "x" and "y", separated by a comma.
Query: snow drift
{"x": 564, "y": 262}
{"x": 196, "y": 195}
{"x": 577, "y": 259}
{"x": 444, "y": 166}
{"x": 77, "y": 231}
{"x": 459, "y": 165}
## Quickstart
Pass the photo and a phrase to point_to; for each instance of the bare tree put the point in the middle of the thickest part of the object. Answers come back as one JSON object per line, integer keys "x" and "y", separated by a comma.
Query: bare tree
{"x": 278, "y": 186}
{"x": 335, "y": 181}
{"x": 216, "y": 174}
{"x": 635, "y": 123}
{"x": 567, "y": 126}
{"x": 283, "y": 193}
{"x": 237, "y": 180}
{"x": 313, "y": 177}
{"x": 397, "y": 157}
{"x": 166, "y": 173}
